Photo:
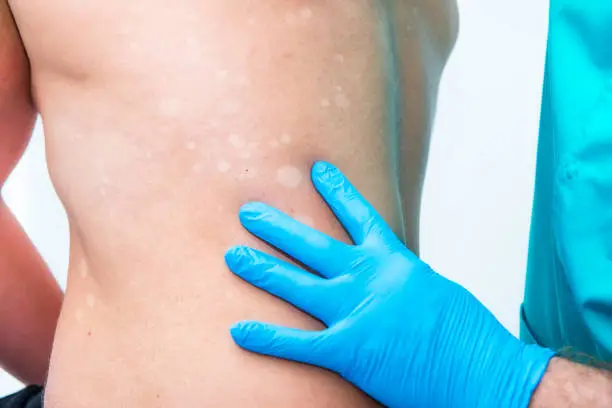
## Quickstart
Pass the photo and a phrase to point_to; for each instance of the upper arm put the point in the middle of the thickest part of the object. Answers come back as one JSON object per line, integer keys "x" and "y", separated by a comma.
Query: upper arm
{"x": 17, "y": 113}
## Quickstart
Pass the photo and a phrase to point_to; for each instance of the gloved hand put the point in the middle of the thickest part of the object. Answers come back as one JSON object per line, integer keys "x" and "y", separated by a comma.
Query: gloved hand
{"x": 396, "y": 329}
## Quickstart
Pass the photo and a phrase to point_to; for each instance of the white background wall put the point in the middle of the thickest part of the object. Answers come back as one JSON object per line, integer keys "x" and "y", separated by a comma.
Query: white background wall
{"x": 478, "y": 193}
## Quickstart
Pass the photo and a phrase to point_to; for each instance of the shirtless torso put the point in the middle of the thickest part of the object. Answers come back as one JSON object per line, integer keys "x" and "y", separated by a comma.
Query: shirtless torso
{"x": 161, "y": 119}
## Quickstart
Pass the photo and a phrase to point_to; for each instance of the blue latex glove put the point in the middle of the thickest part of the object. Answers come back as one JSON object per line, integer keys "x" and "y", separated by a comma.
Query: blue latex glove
{"x": 396, "y": 329}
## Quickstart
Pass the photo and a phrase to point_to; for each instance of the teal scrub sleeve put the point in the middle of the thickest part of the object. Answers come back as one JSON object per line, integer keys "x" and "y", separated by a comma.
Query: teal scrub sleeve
{"x": 568, "y": 298}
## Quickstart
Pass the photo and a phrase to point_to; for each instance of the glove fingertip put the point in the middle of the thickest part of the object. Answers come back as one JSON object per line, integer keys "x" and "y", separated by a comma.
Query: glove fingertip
{"x": 241, "y": 332}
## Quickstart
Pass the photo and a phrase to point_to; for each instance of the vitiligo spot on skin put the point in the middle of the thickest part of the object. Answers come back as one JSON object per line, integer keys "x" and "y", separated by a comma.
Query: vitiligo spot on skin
{"x": 222, "y": 74}
{"x": 90, "y": 300}
{"x": 223, "y": 166}
{"x": 325, "y": 103}
{"x": 79, "y": 315}
{"x": 341, "y": 101}
{"x": 236, "y": 141}
{"x": 273, "y": 144}
{"x": 245, "y": 154}
{"x": 304, "y": 219}
{"x": 191, "y": 145}
{"x": 289, "y": 176}
{"x": 339, "y": 58}
{"x": 285, "y": 138}
{"x": 290, "y": 18}
{"x": 306, "y": 13}
{"x": 169, "y": 107}
{"x": 197, "y": 168}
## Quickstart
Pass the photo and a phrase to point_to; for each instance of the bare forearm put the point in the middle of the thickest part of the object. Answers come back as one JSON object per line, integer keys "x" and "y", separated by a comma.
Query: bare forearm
{"x": 570, "y": 385}
{"x": 30, "y": 301}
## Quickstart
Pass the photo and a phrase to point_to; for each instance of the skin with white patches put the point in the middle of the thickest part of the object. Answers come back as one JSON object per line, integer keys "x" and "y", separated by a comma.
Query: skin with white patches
{"x": 285, "y": 138}
{"x": 237, "y": 141}
{"x": 197, "y": 168}
{"x": 325, "y": 103}
{"x": 306, "y": 13}
{"x": 245, "y": 154}
{"x": 305, "y": 219}
{"x": 169, "y": 107}
{"x": 155, "y": 250}
{"x": 223, "y": 166}
{"x": 90, "y": 300}
{"x": 289, "y": 176}
{"x": 79, "y": 314}
{"x": 341, "y": 101}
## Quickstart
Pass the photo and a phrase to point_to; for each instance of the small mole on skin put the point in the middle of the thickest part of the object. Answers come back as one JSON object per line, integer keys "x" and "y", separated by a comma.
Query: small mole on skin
{"x": 289, "y": 176}
{"x": 249, "y": 173}
{"x": 223, "y": 166}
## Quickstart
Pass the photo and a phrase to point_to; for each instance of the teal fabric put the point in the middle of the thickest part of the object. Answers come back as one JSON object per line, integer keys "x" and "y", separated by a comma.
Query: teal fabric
{"x": 568, "y": 295}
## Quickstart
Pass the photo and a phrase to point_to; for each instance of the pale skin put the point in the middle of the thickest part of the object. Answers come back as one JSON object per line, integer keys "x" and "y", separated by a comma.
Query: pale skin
{"x": 160, "y": 121}
{"x": 140, "y": 101}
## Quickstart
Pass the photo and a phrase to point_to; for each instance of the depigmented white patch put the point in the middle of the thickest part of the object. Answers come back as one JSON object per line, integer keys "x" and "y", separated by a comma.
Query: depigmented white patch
{"x": 253, "y": 144}
{"x": 289, "y": 176}
{"x": 341, "y": 101}
{"x": 339, "y": 58}
{"x": 325, "y": 103}
{"x": 273, "y": 144}
{"x": 197, "y": 168}
{"x": 191, "y": 145}
{"x": 245, "y": 154}
{"x": 306, "y": 13}
{"x": 243, "y": 81}
{"x": 223, "y": 166}
{"x": 285, "y": 138}
{"x": 305, "y": 219}
{"x": 236, "y": 141}
{"x": 90, "y": 300}
{"x": 290, "y": 18}
{"x": 222, "y": 74}
{"x": 169, "y": 107}
{"x": 78, "y": 315}
{"x": 230, "y": 107}
{"x": 251, "y": 21}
